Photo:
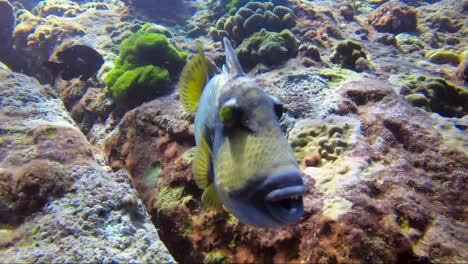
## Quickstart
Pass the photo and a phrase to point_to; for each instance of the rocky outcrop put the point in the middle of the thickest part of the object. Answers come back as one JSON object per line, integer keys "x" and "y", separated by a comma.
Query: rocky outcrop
{"x": 394, "y": 17}
{"x": 383, "y": 178}
{"x": 55, "y": 192}
{"x": 7, "y": 23}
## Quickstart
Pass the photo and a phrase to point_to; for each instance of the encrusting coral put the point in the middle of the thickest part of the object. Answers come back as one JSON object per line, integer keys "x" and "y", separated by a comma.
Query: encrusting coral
{"x": 350, "y": 55}
{"x": 442, "y": 57}
{"x": 434, "y": 94}
{"x": 251, "y": 18}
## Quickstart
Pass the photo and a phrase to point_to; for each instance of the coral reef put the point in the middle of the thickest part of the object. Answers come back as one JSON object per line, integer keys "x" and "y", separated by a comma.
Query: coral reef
{"x": 251, "y": 18}
{"x": 144, "y": 69}
{"x": 57, "y": 8}
{"x": 434, "y": 94}
{"x": 408, "y": 43}
{"x": 350, "y": 55}
{"x": 56, "y": 191}
{"x": 35, "y": 38}
{"x": 442, "y": 57}
{"x": 394, "y": 17}
{"x": 349, "y": 163}
{"x": 328, "y": 140}
{"x": 445, "y": 21}
{"x": 462, "y": 71}
{"x": 309, "y": 54}
{"x": 374, "y": 95}
{"x": 267, "y": 47}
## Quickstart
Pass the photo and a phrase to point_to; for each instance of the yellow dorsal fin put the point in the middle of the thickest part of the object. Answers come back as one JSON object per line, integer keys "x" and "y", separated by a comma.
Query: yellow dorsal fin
{"x": 193, "y": 79}
{"x": 201, "y": 164}
{"x": 210, "y": 198}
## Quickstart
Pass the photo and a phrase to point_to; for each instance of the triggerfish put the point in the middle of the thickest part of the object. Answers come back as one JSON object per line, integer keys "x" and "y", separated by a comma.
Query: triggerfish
{"x": 242, "y": 159}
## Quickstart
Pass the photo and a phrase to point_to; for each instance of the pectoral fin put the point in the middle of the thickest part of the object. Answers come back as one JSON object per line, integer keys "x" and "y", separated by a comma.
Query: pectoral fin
{"x": 201, "y": 164}
{"x": 193, "y": 79}
{"x": 210, "y": 198}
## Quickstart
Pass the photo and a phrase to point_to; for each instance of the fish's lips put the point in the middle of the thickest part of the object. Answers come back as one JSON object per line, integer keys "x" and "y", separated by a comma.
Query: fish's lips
{"x": 284, "y": 202}
{"x": 286, "y": 205}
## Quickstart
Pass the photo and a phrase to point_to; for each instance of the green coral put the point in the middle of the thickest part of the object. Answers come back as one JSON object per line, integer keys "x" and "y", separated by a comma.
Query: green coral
{"x": 408, "y": 43}
{"x": 145, "y": 68}
{"x": 216, "y": 256}
{"x": 443, "y": 97}
{"x": 169, "y": 199}
{"x": 266, "y": 47}
{"x": 442, "y": 57}
{"x": 234, "y": 5}
{"x": 336, "y": 76}
{"x": 251, "y": 18}
{"x": 153, "y": 175}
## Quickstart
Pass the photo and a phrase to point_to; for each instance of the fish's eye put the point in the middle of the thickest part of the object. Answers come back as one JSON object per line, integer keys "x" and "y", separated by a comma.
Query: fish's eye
{"x": 277, "y": 106}
{"x": 229, "y": 112}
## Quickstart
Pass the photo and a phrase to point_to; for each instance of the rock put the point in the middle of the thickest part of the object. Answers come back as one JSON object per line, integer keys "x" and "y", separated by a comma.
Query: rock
{"x": 445, "y": 22}
{"x": 7, "y": 23}
{"x": 55, "y": 191}
{"x": 408, "y": 43}
{"x": 153, "y": 142}
{"x": 394, "y": 17}
{"x": 54, "y": 24}
{"x": 462, "y": 71}
{"x": 386, "y": 39}
{"x": 442, "y": 57}
{"x": 347, "y": 11}
{"x": 432, "y": 38}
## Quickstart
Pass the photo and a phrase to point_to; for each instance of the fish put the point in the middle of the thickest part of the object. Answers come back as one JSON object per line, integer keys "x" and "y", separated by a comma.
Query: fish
{"x": 76, "y": 61}
{"x": 242, "y": 160}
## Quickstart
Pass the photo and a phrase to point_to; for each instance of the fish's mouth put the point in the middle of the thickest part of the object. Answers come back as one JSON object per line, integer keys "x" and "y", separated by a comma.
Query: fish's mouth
{"x": 284, "y": 199}
{"x": 286, "y": 204}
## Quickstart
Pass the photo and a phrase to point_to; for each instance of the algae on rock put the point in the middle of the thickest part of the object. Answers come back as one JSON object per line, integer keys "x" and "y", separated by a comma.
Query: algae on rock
{"x": 145, "y": 68}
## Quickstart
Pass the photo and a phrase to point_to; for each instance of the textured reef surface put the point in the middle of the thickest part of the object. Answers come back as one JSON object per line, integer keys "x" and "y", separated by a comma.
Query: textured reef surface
{"x": 98, "y": 169}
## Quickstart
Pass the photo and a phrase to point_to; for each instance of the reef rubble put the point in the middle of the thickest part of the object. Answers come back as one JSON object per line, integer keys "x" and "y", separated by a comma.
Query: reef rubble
{"x": 375, "y": 108}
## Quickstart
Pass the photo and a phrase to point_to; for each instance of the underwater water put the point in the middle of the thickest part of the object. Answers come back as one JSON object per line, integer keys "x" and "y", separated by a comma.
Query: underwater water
{"x": 330, "y": 132}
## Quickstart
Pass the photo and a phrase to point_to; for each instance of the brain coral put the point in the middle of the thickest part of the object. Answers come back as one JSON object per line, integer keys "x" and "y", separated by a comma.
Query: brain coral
{"x": 266, "y": 47}
{"x": 435, "y": 94}
{"x": 251, "y": 18}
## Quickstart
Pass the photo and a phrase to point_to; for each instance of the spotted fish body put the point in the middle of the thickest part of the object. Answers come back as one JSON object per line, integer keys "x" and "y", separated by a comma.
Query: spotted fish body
{"x": 243, "y": 160}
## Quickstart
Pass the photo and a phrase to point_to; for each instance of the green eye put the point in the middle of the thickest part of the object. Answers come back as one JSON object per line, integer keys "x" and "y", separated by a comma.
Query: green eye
{"x": 226, "y": 114}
